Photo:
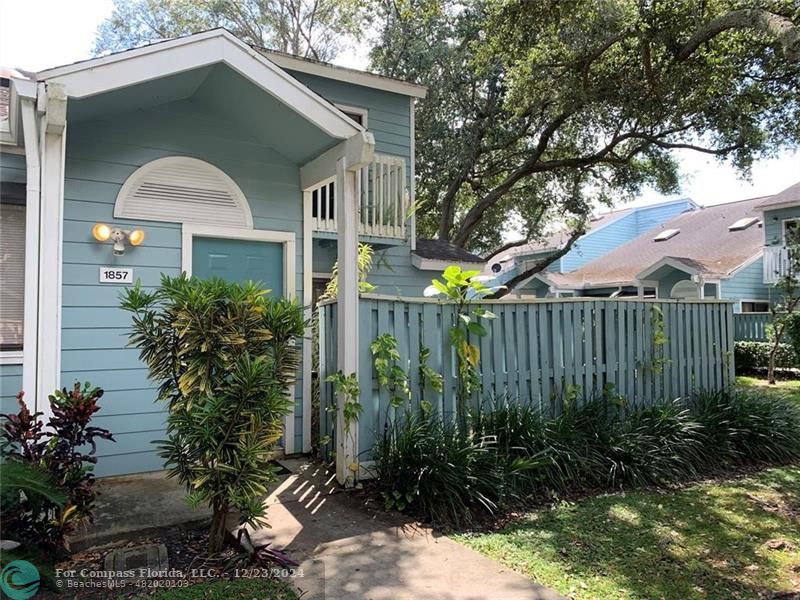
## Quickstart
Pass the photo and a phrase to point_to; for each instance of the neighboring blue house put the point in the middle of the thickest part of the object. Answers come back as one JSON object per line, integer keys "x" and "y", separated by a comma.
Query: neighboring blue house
{"x": 734, "y": 251}
{"x": 226, "y": 159}
{"x": 604, "y": 233}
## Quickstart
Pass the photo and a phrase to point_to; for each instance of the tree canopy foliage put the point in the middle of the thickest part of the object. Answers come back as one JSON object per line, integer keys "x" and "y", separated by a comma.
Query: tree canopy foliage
{"x": 538, "y": 111}
{"x": 309, "y": 28}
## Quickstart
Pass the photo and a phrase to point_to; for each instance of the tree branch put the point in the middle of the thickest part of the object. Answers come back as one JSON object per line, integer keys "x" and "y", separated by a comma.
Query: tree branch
{"x": 541, "y": 264}
{"x": 475, "y": 214}
{"x": 758, "y": 19}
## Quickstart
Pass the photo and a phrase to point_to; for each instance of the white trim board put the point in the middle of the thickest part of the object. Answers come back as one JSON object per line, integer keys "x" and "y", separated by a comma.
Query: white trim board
{"x": 356, "y": 110}
{"x": 131, "y": 67}
{"x": 363, "y": 78}
{"x": 436, "y": 264}
{"x": 189, "y": 231}
{"x": 12, "y": 357}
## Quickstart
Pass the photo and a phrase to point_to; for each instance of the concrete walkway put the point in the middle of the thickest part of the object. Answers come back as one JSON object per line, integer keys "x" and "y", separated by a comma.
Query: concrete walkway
{"x": 346, "y": 552}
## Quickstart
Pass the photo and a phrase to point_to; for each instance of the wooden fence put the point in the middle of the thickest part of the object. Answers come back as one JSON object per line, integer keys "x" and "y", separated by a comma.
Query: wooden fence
{"x": 536, "y": 351}
{"x": 751, "y": 327}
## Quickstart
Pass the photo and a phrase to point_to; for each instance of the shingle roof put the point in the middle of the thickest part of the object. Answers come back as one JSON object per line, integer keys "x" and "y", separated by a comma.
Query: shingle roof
{"x": 556, "y": 240}
{"x": 789, "y": 196}
{"x": 444, "y": 250}
{"x": 704, "y": 243}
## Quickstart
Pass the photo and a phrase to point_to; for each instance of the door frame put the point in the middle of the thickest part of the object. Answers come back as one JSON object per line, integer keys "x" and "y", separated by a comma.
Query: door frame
{"x": 287, "y": 238}
{"x": 190, "y": 231}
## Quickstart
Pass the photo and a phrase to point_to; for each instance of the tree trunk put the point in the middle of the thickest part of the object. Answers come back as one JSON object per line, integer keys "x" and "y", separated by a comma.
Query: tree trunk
{"x": 217, "y": 533}
{"x": 771, "y": 364}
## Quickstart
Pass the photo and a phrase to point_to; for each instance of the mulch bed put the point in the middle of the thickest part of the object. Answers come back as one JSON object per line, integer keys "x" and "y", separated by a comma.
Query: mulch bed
{"x": 187, "y": 555}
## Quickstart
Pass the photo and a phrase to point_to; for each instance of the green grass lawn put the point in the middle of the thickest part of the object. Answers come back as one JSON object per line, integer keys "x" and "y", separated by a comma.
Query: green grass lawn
{"x": 786, "y": 388}
{"x": 237, "y": 589}
{"x": 735, "y": 539}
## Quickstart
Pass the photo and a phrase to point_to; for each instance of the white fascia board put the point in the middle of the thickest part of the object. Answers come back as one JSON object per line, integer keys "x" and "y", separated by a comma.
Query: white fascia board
{"x": 666, "y": 262}
{"x": 745, "y": 264}
{"x": 778, "y": 206}
{"x": 436, "y": 264}
{"x": 357, "y": 151}
{"x": 353, "y": 76}
{"x": 137, "y": 66}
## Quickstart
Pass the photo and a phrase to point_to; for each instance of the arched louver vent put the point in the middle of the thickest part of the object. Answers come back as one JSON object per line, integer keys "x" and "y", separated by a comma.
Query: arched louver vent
{"x": 179, "y": 189}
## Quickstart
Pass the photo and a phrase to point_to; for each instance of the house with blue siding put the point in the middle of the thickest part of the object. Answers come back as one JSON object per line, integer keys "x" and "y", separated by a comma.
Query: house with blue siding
{"x": 202, "y": 155}
{"x": 604, "y": 233}
{"x": 735, "y": 251}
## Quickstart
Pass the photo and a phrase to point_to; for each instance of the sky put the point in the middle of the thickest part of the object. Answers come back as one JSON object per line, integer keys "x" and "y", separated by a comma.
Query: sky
{"x": 37, "y": 34}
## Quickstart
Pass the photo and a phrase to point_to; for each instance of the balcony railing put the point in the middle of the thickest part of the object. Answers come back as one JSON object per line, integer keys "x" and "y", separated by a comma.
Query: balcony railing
{"x": 777, "y": 263}
{"x": 381, "y": 195}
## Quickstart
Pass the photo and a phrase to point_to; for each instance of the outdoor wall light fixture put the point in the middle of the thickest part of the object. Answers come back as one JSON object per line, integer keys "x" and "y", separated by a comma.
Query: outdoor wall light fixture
{"x": 103, "y": 233}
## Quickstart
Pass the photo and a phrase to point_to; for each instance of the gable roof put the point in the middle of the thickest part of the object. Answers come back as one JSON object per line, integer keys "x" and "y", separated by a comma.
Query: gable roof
{"x": 130, "y": 67}
{"x": 444, "y": 250}
{"x": 556, "y": 240}
{"x": 704, "y": 244}
{"x": 788, "y": 197}
{"x": 301, "y": 64}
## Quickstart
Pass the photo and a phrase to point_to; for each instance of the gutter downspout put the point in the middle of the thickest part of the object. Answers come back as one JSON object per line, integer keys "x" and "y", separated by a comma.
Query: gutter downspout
{"x": 26, "y": 91}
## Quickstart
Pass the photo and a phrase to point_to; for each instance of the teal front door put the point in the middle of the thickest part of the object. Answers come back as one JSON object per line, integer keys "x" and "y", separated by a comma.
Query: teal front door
{"x": 240, "y": 260}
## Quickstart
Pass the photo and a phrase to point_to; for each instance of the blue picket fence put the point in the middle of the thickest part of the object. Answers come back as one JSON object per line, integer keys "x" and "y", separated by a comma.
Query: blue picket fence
{"x": 536, "y": 351}
{"x": 751, "y": 327}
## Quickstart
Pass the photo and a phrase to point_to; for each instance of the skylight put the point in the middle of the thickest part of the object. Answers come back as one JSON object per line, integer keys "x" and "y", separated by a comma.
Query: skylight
{"x": 743, "y": 223}
{"x": 666, "y": 234}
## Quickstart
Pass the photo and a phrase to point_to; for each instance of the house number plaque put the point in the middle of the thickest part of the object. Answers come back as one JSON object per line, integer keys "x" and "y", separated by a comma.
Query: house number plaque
{"x": 116, "y": 275}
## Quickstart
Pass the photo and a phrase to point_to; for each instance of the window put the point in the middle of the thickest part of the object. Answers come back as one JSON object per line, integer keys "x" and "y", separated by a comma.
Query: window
{"x": 750, "y": 306}
{"x": 12, "y": 265}
{"x": 666, "y": 234}
{"x": 790, "y": 227}
{"x": 357, "y": 114}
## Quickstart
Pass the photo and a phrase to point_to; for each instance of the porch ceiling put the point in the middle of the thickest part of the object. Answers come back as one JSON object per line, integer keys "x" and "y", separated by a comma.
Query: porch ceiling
{"x": 220, "y": 91}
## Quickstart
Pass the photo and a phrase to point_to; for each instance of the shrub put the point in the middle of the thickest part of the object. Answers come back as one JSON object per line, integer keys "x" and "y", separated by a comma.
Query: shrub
{"x": 515, "y": 452}
{"x": 751, "y": 356}
{"x": 65, "y": 453}
{"x": 224, "y": 355}
{"x": 793, "y": 331}
{"x": 423, "y": 463}
{"x": 742, "y": 428}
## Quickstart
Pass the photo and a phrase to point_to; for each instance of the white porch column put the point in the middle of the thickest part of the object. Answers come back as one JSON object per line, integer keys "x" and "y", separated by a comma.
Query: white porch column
{"x": 346, "y": 314}
{"x": 53, "y": 103}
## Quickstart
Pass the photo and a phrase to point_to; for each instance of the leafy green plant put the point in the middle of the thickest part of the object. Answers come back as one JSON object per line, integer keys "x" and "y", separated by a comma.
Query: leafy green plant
{"x": 38, "y": 490}
{"x": 604, "y": 443}
{"x": 389, "y": 373}
{"x": 792, "y": 332}
{"x": 364, "y": 263}
{"x": 462, "y": 288}
{"x": 428, "y": 376}
{"x": 423, "y": 463}
{"x": 348, "y": 387}
{"x": 786, "y": 302}
{"x": 63, "y": 448}
{"x": 752, "y": 356}
{"x": 225, "y": 355}
{"x": 743, "y": 428}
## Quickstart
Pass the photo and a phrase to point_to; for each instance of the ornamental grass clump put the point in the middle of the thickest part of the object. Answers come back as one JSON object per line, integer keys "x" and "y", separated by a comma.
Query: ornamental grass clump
{"x": 515, "y": 453}
{"x": 224, "y": 355}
